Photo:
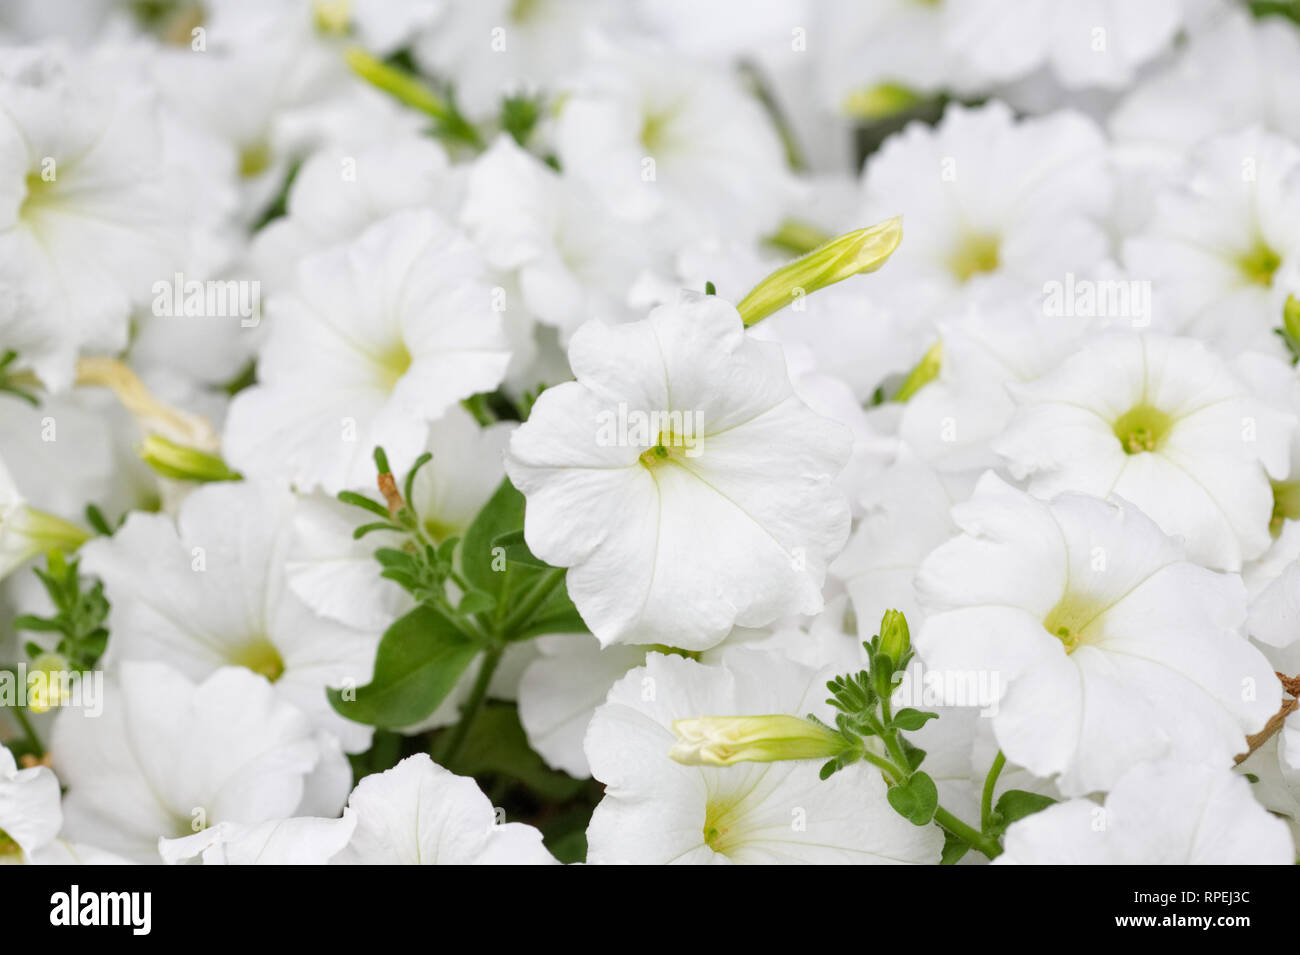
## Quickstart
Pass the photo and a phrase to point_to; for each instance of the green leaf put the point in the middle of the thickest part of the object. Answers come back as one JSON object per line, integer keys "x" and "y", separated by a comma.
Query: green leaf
{"x": 569, "y": 847}
{"x": 915, "y": 799}
{"x": 1016, "y": 804}
{"x": 495, "y": 559}
{"x": 910, "y": 720}
{"x": 557, "y": 614}
{"x": 502, "y": 514}
{"x": 28, "y": 621}
{"x": 446, "y": 551}
{"x": 516, "y": 550}
{"x": 392, "y": 557}
{"x": 519, "y": 115}
{"x": 420, "y": 659}
{"x": 954, "y": 847}
{"x": 365, "y": 529}
{"x": 409, "y": 483}
{"x": 476, "y": 601}
{"x": 915, "y": 755}
{"x": 95, "y": 518}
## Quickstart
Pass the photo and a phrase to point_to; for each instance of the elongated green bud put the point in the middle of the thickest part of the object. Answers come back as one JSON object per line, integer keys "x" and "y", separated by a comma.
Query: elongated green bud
{"x": 182, "y": 463}
{"x": 853, "y": 254}
{"x": 411, "y": 90}
{"x": 1291, "y": 318}
{"x": 723, "y": 740}
{"x": 880, "y": 102}
{"x": 895, "y": 638}
{"x": 926, "y": 370}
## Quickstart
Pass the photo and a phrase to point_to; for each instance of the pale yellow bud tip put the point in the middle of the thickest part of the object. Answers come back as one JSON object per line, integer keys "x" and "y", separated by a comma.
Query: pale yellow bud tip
{"x": 852, "y": 254}
{"x": 723, "y": 740}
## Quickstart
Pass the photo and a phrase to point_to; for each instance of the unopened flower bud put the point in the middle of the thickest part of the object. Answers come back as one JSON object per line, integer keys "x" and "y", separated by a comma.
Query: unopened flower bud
{"x": 723, "y": 740}
{"x": 862, "y": 251}
{"x": 181, "y": 463}
{"x": 895, "y": 638}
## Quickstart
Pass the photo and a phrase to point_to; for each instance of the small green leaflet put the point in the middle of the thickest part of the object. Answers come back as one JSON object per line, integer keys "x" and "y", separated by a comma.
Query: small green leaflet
{"x": 421, "y": 658}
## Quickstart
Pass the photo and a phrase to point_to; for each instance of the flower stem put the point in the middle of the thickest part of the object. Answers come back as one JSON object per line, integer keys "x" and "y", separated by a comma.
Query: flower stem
{"x": 20, "y": 714}
{"x": 891, "y": 772}
{"x": 962, "y": 831}
{"x": 968, "y": 834}
{"x": 990, "y": 783}
{"x": 470, "y": 711}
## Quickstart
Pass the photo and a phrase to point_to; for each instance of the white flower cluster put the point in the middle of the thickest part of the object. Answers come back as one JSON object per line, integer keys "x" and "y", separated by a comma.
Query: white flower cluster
{"x": 465, "y": 431}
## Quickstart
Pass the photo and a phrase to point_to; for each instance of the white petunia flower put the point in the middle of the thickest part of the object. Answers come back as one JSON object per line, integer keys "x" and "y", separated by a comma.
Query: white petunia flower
{"x": 378, "y": 25}
{"x": 680, "y": 480}
{"x": 561, "y": 690}
{"x": 1273, "y": 582}
{"x": 993, "y": 208}
{"x": 1273, "y": 771}
{"x": 90, "y": 215}
{"x": 905, "y": 516}
{"x": 1104, "y": 644}
{"x": 301, "y": 840}
{"x": 210, "y": 590}
{"x": 418, "y": 813}
{"x": 493, "y": 48}
{"x": 659, "y": 811}
{"x": 30, "y": 816}
{"x": 1161, "y": 422}
{"x": 656, "y": 137}
{"x": 1164, "y": 813}
{"x": 168, "y": 756}
{"x": 1223, "y": 245}
{"x": 338, "y": 193}
{"x": 269, "y": 87}
{"x": 26, "y": 532}
{"x": 1273, "y": 579}
{"x": 1236, "y": 72}
{"x": 570, "y": 677}
{"x": 951, "y": 422}
{"x": 380, "y": 338}
{"x": 572, "y": 261}
{"x": 868, "y": 47}
{"x": 1085, "y": 42}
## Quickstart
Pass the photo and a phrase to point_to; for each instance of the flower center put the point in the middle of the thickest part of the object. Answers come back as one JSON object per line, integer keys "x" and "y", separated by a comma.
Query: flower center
{"x": 654, "y": 130}
{"x": 1142, "y": 428}
{"x": 7, "y": 846}
{"x": 440, "y": 530}
{"x": 1068, "y": 620}
{"x": 521, "y": 11}
{"x": 254, "y": 160}
{"x": 393, "y": 364}
{"x": 722, "y": 818}
{"x": 333, "y": 17}
{"x": 1286, "y": 504}
{"x": 667, "y": 447}
{"x": 40, "y": 193}
{"x": 1259, "y": 264}
{"x": 260, "y": 657}
{"x": 977, "y": 253}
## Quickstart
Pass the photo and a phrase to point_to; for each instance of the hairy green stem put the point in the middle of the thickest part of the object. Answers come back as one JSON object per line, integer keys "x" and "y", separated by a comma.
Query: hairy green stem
{"x": 990, "y": 784}
{"x": 964, "y": 832}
